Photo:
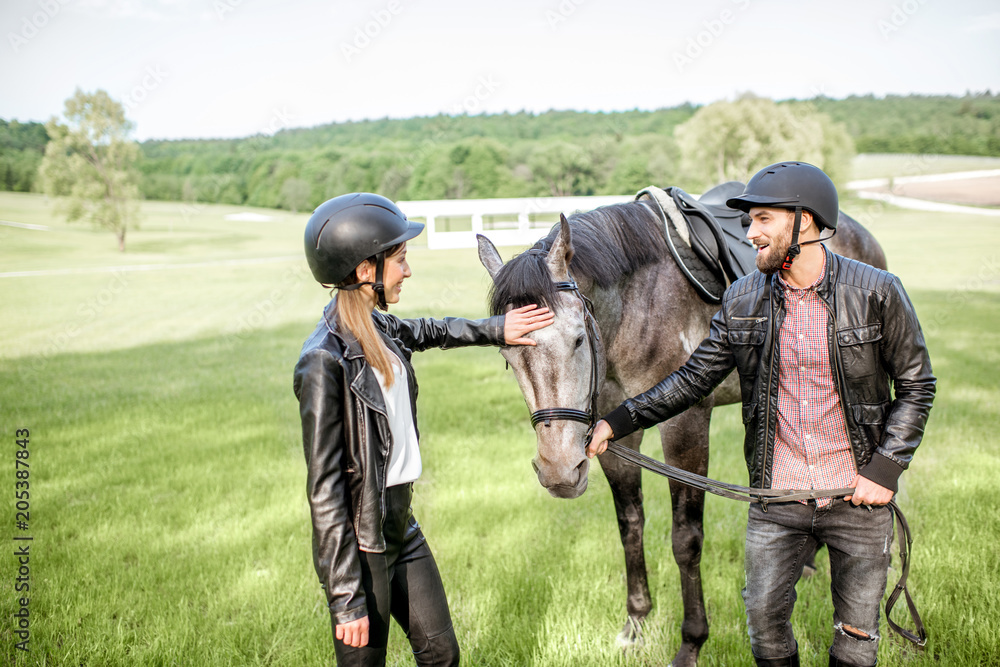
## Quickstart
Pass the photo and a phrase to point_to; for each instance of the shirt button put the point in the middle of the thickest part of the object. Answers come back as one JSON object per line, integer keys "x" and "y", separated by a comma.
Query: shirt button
{"x": 801, "y": 336}
{"x": 812, "y": 467}
{"x": 808, "y": 435}
{"x": 805, "y": 402}
{"x": 802, "y": 368}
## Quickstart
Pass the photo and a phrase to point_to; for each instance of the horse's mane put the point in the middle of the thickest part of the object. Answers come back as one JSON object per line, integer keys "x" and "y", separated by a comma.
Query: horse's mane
{"x": 608, "y": 243}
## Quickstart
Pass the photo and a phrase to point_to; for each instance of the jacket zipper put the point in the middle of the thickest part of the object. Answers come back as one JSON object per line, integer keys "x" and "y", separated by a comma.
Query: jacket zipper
{"x": 835, "y": 353}
{"x": 388, "y": 457}
{"x": 767, "y": 404}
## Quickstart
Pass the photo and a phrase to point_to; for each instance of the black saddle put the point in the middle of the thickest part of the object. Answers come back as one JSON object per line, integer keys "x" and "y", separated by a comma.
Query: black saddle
{"x": 719, "y": 251}
{"x": 718, "y": 233}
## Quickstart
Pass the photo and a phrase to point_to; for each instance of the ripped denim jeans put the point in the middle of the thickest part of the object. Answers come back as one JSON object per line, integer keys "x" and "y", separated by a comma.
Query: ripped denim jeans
{"x": 778, "y": 542}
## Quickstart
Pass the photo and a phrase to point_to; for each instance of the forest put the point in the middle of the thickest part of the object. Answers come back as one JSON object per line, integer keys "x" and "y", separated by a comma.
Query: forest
{"x": 501, "y": 155}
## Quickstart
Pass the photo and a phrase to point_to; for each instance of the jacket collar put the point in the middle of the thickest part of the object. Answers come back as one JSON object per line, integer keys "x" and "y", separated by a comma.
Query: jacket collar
{"x": 825, "y": 287}
{"x": 362, "y": 381}
{"x": 352, "y": 348}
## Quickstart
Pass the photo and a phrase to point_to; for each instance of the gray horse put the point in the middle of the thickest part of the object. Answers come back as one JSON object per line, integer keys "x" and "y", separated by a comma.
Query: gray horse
{"x": 650, "y": 319}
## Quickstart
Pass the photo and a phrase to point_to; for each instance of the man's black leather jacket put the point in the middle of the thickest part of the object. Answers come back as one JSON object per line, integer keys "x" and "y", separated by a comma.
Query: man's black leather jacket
{"x": 874, "y": 339}
{"x": 347, "y": 442}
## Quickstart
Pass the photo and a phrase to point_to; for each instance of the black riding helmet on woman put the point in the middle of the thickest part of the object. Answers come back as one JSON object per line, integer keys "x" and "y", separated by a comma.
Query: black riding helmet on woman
{"x": 356, "y": 392}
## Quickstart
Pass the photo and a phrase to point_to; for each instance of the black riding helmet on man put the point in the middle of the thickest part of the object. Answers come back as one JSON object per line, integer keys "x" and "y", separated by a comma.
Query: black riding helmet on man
{"x": 795, "y": 186}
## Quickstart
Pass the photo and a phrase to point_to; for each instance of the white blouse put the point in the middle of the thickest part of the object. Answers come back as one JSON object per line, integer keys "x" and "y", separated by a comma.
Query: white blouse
{"x": 404, "y": 465}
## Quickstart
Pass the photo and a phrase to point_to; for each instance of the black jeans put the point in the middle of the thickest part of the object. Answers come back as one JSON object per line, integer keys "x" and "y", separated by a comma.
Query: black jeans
{"x": 778, "y": 542}
{"x": 403, "y": 583}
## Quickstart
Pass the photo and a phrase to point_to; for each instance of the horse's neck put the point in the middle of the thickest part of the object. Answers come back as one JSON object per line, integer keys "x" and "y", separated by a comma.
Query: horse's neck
{"x": 659, "y": 312}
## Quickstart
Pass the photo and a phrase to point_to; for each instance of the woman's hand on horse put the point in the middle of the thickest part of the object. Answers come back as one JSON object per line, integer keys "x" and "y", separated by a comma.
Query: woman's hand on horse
{"x": 599, "y": 439}
{"x": 354, "y": 633}
{"x": 522, "y": 321}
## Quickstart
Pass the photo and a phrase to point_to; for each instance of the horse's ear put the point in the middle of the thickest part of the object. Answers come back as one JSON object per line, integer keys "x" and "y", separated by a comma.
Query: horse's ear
{"x": 489, "y": 256}
{"x": 561, "y": 253}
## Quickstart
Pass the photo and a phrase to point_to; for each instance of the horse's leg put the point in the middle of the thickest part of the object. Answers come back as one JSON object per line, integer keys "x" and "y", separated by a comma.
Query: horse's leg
{"x": 625, "y": 481}
{"x": 685, "y": 445}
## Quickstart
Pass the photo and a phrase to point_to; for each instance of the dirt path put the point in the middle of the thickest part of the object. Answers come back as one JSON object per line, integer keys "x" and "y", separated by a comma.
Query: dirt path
{"x": 971, "y": 192}
{"x": 965, "y": 192}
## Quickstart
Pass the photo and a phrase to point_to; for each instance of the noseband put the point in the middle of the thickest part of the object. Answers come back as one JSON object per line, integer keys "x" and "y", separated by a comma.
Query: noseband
{"x": 593, "y": 339}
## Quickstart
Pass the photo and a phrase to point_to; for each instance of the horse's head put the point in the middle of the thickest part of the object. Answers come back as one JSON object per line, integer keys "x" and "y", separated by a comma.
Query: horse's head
{"x": 564, "y": 370}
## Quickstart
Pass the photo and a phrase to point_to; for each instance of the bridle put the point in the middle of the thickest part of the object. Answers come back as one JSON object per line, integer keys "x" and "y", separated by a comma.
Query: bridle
{"x": 589, "y": 417}
{"x": 732, "y": 491}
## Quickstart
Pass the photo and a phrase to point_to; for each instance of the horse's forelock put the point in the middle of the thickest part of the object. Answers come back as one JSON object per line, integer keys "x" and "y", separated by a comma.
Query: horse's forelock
{"x": 522, "y": 281}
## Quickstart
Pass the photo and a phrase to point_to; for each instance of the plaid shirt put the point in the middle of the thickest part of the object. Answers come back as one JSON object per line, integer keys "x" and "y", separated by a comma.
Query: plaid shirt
{"x": 812, "y": 449}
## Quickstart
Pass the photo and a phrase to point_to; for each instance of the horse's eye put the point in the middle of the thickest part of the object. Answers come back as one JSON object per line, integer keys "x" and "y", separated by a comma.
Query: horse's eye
{"x": 579, "y": 341}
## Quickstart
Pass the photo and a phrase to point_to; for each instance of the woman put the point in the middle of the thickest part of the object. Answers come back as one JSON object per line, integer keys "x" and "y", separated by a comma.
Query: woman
{"x": 357, "y": 397}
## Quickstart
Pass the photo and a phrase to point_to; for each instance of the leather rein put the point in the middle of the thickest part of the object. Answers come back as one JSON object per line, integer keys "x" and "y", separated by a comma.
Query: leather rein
{"x": 731, "y": 491}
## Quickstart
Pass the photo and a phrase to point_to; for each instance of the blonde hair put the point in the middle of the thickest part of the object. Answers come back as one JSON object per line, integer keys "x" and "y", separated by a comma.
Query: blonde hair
{"x": 354, "y": 309}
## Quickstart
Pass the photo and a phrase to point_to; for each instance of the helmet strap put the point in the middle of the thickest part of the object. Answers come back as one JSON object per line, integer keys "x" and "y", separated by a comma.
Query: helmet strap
{"x": 833, "y": 232}
{"x": 794, "y": 249}
{"x": 378, "y": 286}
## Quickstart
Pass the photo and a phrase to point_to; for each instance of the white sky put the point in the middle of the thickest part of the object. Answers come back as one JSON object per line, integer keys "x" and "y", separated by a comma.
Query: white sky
{"x": 230, "y": 68}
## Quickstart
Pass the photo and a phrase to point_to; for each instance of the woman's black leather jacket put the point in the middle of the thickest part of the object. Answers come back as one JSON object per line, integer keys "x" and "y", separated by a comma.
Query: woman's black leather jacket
{"x": 347, "y": 442}
{"x": 874, "y": 339}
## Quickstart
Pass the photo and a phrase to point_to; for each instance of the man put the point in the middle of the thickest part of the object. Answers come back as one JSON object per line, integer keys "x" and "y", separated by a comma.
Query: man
{"x": 817, "y": 339}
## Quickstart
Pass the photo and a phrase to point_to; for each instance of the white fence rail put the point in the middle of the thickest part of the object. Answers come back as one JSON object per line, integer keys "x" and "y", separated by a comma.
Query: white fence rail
{"x": 506, "y": 222}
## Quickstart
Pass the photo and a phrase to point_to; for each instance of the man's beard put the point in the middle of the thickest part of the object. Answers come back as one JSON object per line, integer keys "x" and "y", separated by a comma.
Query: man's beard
{"x": 774, "y": 257}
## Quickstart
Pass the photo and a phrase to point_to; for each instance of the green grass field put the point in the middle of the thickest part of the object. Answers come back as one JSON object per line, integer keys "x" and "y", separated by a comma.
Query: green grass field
{"x": 167, "y": 504}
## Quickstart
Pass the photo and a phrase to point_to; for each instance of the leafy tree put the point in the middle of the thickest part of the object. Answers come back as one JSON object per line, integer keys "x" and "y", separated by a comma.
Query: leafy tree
{"x": 565, "y": 168}
{"x": 648, "y": 159}
{"x": 21, "y": 148}
{"x": 518, "y": 154}
{"x": 469, "y": 169}
{"x": 732, "y": 140}
{"x": 90, "y": 164}
{"x": 295, "y": 194}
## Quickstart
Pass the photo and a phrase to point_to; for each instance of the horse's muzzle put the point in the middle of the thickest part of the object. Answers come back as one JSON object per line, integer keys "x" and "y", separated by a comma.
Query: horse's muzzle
{"x": 563, "y": 483}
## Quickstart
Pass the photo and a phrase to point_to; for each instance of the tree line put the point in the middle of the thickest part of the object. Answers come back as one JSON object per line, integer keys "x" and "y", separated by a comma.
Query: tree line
{"x": 525, "y": 154}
